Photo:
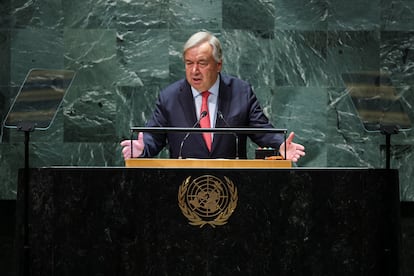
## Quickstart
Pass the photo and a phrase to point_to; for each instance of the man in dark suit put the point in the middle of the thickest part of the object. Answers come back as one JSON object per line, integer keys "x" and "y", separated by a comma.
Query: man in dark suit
{"x": 227, "y": 102}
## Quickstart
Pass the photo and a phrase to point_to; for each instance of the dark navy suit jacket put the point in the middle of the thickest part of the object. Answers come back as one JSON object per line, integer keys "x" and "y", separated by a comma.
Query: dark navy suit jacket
{"x": 175, "y": 108}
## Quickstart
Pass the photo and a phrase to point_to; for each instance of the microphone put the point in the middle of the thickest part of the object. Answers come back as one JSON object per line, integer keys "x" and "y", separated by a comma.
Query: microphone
{"x": 235, "y": 134}
{"x": 202, "y": 115}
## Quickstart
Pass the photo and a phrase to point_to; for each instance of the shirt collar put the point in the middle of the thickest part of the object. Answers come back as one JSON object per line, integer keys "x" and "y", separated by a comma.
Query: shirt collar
{"x": 213, "y": 90}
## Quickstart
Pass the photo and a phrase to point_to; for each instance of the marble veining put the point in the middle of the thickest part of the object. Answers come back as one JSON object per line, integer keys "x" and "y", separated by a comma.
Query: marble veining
{"x": 124, "y": 52}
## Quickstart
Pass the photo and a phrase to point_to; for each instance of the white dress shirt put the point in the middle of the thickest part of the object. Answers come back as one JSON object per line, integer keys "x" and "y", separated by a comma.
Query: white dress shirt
{"x": 212, "y": 101}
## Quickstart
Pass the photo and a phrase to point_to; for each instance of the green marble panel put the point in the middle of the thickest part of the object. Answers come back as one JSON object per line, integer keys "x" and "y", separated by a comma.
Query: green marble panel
{"x": 249, "y": 14}
{"x": 4, "y": 58}
{"x": 142, "y": 57}
{"x": 397, "y": 15}
{"x": 4, "y": 75}
{"x": 348, "y": 143}
{"x": 79, "y": 14}
{"x": 34, "y": 48}
{"x": 93, "y": 55}
{"x": 90, "y": 114}
{"x": 125, "y": 15}
{"x": 351, "y": 52}
{"x": 282, "y": 58}
{"x": 4, "y": 107}
{"x": 7, "y": 95}
{"x": 293, "y": 52}
{"x": 134, "y": 106}
{"x": 354, "y": 15}
{"x": 397, "y": 56}
{"x": 303, "y": 111}
{"x": 37, "y": 14}
{"x": 195, "y": 14}
{"x": 75, "y": 154}
{"x": 142, "y": 14}
{"x": 5, "y": 18}
{"x": 249, "y": 55}
{"x": 301, "y": 15}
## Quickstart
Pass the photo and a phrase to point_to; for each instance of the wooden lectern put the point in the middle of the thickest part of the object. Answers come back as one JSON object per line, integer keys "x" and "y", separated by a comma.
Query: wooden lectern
{"x": 207, "y": 163}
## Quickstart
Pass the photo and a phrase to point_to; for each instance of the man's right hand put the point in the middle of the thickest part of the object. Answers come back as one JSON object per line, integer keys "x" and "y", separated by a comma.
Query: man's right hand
{"x": 137, "y": 147}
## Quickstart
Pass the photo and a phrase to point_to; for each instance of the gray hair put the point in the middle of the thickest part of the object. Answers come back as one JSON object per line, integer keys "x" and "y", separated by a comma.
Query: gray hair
{"x": 201, "y": 37}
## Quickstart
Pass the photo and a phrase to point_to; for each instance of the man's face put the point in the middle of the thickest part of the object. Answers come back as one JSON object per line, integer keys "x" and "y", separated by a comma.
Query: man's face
{"x": 201, "y": 70}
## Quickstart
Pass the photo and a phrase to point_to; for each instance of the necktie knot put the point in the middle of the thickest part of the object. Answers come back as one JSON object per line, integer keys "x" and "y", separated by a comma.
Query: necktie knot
{"x": 205, "y": 95}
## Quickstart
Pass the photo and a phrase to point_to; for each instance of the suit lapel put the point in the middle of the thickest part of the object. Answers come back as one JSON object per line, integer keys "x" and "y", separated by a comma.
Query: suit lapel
{"x": 185, "y": 98}
{"x": 224, "y": 101}
{"x": 223, "y": 106}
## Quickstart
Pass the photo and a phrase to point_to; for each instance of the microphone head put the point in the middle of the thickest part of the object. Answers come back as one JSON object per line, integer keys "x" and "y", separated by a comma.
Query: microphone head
{"x": 203, "y": 114}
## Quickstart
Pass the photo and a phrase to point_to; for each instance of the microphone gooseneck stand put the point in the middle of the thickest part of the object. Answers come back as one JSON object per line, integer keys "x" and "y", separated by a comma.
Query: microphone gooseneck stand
{"x": 202, "y": 115}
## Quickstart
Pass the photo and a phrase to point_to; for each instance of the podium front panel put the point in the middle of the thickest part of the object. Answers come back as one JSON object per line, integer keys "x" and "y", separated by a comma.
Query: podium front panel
{"x": 128, "y": 221}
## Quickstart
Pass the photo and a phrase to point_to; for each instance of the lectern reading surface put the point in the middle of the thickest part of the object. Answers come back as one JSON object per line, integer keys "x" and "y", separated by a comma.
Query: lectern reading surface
{"x": 206, "y": 163}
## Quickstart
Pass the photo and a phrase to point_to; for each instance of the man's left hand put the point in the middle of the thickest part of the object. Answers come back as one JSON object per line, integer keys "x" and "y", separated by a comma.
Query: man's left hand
{"x": 293, "y": 151}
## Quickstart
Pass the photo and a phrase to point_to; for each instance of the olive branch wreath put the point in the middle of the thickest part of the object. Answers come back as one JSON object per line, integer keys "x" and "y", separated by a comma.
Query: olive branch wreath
{"x": 194, "y": 219}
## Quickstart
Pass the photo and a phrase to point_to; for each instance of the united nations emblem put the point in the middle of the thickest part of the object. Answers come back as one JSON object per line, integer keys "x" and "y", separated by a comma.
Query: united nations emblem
{"x": 207, "y": 200}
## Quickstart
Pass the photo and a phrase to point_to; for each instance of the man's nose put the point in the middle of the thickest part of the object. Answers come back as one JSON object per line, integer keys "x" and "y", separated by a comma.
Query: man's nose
{"x": 195, "y": 68}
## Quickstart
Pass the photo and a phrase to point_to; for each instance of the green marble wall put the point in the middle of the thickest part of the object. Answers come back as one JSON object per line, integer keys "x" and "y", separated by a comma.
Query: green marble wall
{"x": 292, "y": 51}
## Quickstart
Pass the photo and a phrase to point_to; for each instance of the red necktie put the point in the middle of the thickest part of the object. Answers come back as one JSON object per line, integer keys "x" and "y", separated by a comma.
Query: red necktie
{"x": 205, "y": 121}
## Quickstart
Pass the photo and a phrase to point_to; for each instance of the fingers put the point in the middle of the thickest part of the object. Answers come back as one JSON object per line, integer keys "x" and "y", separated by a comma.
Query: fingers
{"x": 295, "y": 151}
{"x": 133, "y": 147}
{"x": 297, "y": 155}
{"x": 299, "y": 151}
{"x": 125, "y": 143}
{"x": 126, "y": 152}
{"x": 290, "y": 138}
{"x": 300, "y": 148}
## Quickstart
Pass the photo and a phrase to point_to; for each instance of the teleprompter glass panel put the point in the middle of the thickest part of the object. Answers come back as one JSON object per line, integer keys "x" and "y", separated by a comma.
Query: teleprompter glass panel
{"x": 376, "y": 101}
{"x": 39, "y": 98}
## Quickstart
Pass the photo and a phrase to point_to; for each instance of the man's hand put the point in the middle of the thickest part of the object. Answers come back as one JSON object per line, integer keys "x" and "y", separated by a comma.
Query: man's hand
{"x": 293, "y": 151}
{"x": 137, "y": 147}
